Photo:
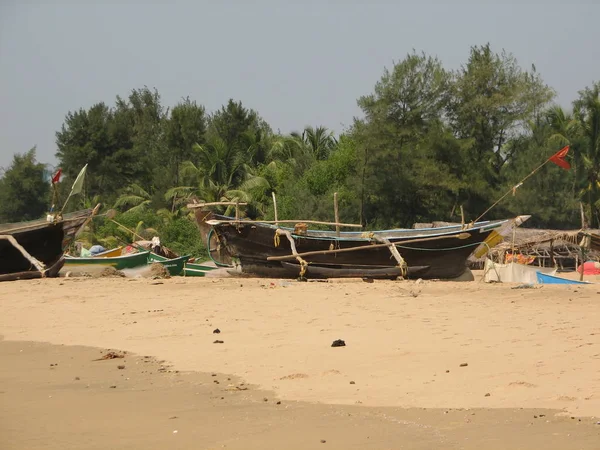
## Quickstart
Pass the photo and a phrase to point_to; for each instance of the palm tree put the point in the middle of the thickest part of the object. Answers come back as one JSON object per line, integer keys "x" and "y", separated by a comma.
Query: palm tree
{"x": 563, "y": 125}
{"x": 134, "y": 199}
{"x": 587, "y": 114}
{"x": 223, "y": 173}
{"x": 320, "y": 140}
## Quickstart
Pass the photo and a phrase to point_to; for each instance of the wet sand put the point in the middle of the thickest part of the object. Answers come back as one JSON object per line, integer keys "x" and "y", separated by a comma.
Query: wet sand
{"x": 532, "y": 360}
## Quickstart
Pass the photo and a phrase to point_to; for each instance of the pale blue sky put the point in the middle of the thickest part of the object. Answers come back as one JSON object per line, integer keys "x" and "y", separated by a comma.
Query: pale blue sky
{"x": 297, "y": 63}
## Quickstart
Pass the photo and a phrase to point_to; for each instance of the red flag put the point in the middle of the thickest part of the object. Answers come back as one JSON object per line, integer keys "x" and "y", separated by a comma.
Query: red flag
{"x": 559, "y": 158}
{"x": 56, "y": 177}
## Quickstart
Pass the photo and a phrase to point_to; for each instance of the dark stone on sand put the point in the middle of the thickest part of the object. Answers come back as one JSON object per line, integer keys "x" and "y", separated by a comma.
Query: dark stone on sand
{"x": 113, "y": 387}
{"x": 323, "y": 441}
{"x": 218, "y": 342}
{"x": 213, "y": 375}
{"x": 447, "y": 371}
{"x": 77, "y": 378}
{"x": 338, "y": 343}
{"x": 464, "y": 365}
{"x": 488, "y": 394}
{"x": 265, "y": 399}
{"x": 278, "y": 403}
{"x": 216, "y": 331}
{"x": 352, "y": 382}
{"x": 121, "y": 367}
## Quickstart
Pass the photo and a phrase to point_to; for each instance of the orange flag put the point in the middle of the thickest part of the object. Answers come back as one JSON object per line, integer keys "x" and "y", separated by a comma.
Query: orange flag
{"x": 559, "y": 158}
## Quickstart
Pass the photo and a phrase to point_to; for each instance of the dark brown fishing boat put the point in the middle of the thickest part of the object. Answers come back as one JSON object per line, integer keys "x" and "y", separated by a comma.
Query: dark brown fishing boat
{"x": 35, "y": 249}
{"x": 266, "y": 250}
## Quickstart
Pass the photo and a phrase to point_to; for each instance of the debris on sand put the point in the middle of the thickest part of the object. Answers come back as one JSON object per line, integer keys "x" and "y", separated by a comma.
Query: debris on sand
{"x": 110, "y": 355}
{"x": 158, "y": 271}
{"x": 111, "y": 272}
{"x": 338, "y": 343}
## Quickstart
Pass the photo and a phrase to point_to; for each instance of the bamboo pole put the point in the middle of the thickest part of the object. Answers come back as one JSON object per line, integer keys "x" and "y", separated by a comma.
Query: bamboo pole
{"x": 512, "y": 189}
{"x": 202, "y": 205}
{"x": 128, "y": 229}
{"x": 364, "y": 247}
{"x": 275, "y": 207}
{"x": 394, "y": 251}
{"x": 582, "y": 264}
{"x": 337, "y": 214}
{"x": 34, "y": 262}
{"x": 218, "y": 222}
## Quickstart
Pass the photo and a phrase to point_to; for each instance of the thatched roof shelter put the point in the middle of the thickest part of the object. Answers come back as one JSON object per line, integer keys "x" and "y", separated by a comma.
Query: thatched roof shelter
{"x": 550, "y": 247}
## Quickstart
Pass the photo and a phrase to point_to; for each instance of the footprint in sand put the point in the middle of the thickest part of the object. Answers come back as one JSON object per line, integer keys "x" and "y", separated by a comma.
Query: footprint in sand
{"x": 294, "y": 376}
{"x": 566, "y": 398}
{"x": 522, "y": 384}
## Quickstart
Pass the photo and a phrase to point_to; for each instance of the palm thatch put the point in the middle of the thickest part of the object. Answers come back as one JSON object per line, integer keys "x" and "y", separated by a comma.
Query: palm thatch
{"x": 562, "y": 248}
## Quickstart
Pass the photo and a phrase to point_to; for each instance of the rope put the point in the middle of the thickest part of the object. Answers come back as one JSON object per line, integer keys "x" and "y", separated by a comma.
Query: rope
{"x": 220, "y": 264}
{"x": 276, "y": 240}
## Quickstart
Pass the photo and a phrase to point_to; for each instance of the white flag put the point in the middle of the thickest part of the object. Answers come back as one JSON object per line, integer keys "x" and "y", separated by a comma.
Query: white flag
{"x": 78, "y": 183}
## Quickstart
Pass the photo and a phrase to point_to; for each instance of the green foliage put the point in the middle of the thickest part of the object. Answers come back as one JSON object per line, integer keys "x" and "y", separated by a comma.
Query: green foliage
{"x": 181, "y": 236}
{"x": 429, "y": 142}
{"x": 24, "y": 191}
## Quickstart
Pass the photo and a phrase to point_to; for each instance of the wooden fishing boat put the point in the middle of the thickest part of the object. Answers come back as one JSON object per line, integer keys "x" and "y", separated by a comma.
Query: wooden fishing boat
{"x": 266, "y": 250}
{"x": 173, "y": 265}
{"x": 129, "y": 261}
{"x": 35, "y": 249}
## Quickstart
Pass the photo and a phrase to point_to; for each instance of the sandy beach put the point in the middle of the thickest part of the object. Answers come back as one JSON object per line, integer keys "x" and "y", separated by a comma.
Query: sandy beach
{"x": 426, "y": 364}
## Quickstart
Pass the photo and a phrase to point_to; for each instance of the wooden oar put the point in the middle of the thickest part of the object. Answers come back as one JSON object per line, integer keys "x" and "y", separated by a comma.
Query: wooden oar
{"x": 366, "y": 247}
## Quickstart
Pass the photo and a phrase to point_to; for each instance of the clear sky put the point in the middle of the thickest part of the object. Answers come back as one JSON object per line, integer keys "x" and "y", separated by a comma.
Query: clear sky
{"x": 296, "y": 62}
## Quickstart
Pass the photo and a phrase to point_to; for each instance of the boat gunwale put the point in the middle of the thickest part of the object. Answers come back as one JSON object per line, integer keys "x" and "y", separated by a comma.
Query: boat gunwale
{"x": 19, "y": 227}
{"x": 105, "y": 258}
{"x": 490, "y": 225}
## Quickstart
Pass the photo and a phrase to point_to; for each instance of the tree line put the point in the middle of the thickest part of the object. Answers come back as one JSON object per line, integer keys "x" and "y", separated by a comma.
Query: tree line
{"x": 430, "y": 142}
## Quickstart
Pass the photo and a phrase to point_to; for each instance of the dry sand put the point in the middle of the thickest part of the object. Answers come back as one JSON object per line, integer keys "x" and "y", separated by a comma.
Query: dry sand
{"x": 536, "y": 352}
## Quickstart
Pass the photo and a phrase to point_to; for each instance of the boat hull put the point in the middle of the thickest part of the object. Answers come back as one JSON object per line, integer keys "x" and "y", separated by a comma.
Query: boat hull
{"x": 174, "y": 266}
{"x": 129, "y": 261}
{"x": 444, "y": 256}
{"x": 544, "y": 278}
{"x": 196, "y": 270}
{"x": 43, "y": 240}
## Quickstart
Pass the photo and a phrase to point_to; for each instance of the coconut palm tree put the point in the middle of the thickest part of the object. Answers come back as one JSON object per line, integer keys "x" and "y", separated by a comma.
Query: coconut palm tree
{"x": 134, "y": 199}
{"x": 587, "y": 114}
{"x": 320, "y": 140}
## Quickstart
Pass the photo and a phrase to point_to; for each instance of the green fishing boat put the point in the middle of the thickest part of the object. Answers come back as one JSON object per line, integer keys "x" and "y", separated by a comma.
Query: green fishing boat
{"x": 196, "y": 270}
{"x": 129, "y": 261}
{"x": 174, "y": 266}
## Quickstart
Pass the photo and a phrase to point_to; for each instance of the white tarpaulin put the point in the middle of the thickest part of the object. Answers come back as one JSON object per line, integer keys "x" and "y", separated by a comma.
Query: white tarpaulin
{"x": 513, "y": 272}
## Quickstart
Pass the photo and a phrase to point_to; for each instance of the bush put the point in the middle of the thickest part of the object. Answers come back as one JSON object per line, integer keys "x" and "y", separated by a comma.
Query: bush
{"x": 183, "y": 237}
